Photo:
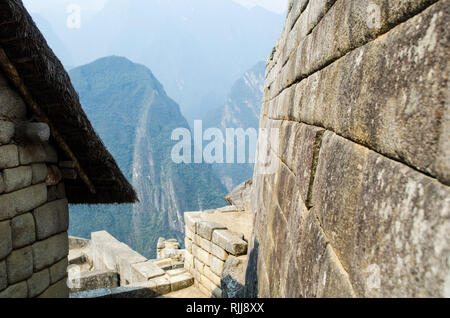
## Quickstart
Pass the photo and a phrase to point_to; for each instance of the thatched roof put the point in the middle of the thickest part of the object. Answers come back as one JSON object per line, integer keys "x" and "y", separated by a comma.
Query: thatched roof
{"x": 49, "y": 85}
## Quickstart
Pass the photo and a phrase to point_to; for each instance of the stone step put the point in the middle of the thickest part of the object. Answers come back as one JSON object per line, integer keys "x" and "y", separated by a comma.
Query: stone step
{"x": 77, "y": 257}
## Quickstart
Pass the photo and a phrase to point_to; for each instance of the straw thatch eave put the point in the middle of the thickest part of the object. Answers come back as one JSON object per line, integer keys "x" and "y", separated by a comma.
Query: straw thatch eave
{"x": 49, "y": 86}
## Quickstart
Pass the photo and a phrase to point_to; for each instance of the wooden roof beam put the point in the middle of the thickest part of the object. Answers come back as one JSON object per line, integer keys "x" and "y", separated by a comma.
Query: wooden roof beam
{"x": 11, "y": 71}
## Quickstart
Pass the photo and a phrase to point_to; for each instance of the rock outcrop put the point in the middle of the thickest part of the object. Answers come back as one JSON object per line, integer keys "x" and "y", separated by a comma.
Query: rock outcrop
{"x": 359, "y": 202}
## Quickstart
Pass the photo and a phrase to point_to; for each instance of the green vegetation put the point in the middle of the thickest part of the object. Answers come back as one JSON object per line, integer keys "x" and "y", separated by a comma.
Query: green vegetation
{"x": 134, "y": 117}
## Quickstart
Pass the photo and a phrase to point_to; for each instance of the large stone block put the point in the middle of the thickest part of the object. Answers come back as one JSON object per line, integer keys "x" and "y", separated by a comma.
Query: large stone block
{"x": 50, "y": 251}
{"x": 388, "y": 223}
{"x": 9, "y": 156}
{"x": 2, "y": 184}
{"x": 38, "y": 283}
{"x": 240, "y": 197}
{"x": 143, "y": 272}
{"x": 159, "y": 285}
{"x": 6, "y": 131}
{"x": 19, "y": 265}
{"x": 11, "y": 104}
{"x": 95, "y": 280}
{"x": 181, "y": 281}
{"x": 205, "y": 229}
{"x": 126, "y": 258}
{"x": 233, "y": 277}
{"x": 5, "y": 239}
{"x": 229, "y": 242}
{"x": 22, "y": 201}
{"x": 191, "y": 219}
{"x": 58, "y": 290}
{"x": 219, "y": 252}
{"x": 201, "y": 254}
{"x": 3, "y": 276}
{"x": 40, "y": 172}
{"x": 17, "y": 178}
{"x": 23, "y": 230}
{"x": 383, "y": 113}
{"x": 29, "y": 154}
{"x": 19, "y": 290}
{"x": 216, "y": 265}
{"x": 211, "y": 275}
{"x": 58, "y": 271}
{"x": 235, "y": 221}
{"x": 51, "y": 218}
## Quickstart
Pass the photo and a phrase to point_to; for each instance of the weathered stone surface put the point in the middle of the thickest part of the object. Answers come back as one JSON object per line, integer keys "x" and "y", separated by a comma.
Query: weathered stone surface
{"x": 188, "y": 244}
{"x": 6, "y": 131}
{"x": 58, "y": 290}
{"x": 51, "y": 155}
{"x": 159, "y": 285}
{"x": 95, "y": 280}
{"x": 237, "y": 221}
{"x": 17, "y": 178}
{"x": 38, "y": 283}
{"x": 39, "y": 172}
{"x": 219, "y": 252}
{"x": 19, "y": 265}
{"x": 182, "y": 281}
{"x": 189, "y": 233}
{"x": 56, "y": 192}
{"x": 203, "y": 243}
{"x": 58, "y": 271}
{"x": 229, "y": 242}
{"x": 3, "y": 276}
{"x": 2, "y": 184}
{"x": 233, "y": 277}
{"x": 381, "y": 118}
{"x": 200, "y": 254}
{"x": 9, "y": 156}
{"x": 51, "y": 218}
{"x": 110, "y": 254}
{"x": 240, "y": 196}
{"x": 143, "y": 272}
{"x": 29, "y": 154}
{"x": 50, "y": 251}
{"x": 11, "y": 104}
{"x": 211, "y": 275}
{"x": 23, "y": 230}
{"x": 78, "y": 242}
{"x": 387, "y": 222}
{"x": 19, "y": 290}
{"x": 5, "y": 239}
{"x": 216, "y": 265}
{"x": 22, "y": 201}
{"x": 191, "y": 219}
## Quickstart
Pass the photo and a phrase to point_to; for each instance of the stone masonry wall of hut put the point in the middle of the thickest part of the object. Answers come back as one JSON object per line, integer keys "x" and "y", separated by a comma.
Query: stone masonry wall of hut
{"x": 359, "y": 201}
{"x": 34, "y": 213}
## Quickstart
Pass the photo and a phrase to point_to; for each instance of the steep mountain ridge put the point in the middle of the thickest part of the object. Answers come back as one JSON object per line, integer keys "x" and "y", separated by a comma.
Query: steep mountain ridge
{"x": 134, "y": 116}
{"x": 240, "y": 110}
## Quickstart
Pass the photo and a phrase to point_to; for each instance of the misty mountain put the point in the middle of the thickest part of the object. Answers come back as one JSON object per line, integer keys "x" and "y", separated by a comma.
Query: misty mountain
{"x": 196, "y": 48}
{"x": 135, "y": 118}
{"x": 240, "y": 110}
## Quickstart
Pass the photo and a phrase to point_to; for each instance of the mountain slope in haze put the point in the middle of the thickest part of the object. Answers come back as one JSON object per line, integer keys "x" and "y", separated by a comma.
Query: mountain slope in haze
{"x": 196, "y": 48}
{"x": 135, "y": 118}
{"x": 241, "y": 110}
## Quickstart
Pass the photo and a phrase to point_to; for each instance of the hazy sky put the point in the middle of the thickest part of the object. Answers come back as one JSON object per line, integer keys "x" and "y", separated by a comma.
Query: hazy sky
{"x": 278, "y": 6}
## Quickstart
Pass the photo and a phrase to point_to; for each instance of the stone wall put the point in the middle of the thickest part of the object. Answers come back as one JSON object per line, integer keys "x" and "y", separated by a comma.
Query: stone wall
{"x": 210, "y": 245}
{"x": 34, "y": 212}
{"x": 359, "y": 205}
{"x": 105, "y": 267}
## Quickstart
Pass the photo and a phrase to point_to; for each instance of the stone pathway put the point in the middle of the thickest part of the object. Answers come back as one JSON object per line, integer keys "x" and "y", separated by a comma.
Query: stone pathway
{"x": 190, "y": 292}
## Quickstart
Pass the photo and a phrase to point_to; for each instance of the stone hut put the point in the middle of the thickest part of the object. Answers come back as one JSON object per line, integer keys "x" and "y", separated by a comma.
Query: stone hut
{"x": 50, "y": 156}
